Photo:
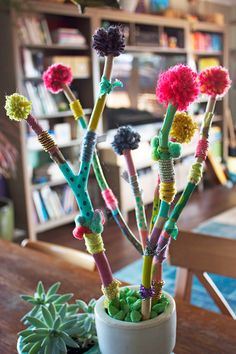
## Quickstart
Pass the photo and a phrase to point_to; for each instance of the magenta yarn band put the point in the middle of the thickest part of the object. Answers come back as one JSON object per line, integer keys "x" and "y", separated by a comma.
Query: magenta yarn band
{"x": 34, "y": 125}
{"x": 110, "y": 199}
{"x": 104, "y": 268}
{"x": 201, "y": 150}
{"x": 162, "y": 247}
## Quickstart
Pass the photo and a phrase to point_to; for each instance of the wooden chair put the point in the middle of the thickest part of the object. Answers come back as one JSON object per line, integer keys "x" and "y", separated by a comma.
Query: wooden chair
{"x": 78, "y": 258}
{"x": 196, "y": 254}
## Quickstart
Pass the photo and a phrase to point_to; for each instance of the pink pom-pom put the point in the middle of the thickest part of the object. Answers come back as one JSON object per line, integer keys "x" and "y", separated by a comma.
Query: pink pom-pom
{"x": 214, "y": 81}
{"x": 178, "y": 86}
{"x": 79, "y": 232}
{"x": 55, "y": 76}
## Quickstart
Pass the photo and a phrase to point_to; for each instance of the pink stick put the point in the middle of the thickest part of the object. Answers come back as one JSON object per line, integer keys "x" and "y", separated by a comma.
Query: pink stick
{"x": 104, "y": 268}
{"x": 130, "y": 163}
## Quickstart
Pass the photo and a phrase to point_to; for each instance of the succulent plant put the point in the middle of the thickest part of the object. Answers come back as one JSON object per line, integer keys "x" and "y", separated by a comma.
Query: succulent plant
{"x": 54, "y": 326}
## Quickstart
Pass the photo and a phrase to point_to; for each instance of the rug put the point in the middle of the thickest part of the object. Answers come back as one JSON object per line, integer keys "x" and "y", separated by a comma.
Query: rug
{"x": 222, "y": 224}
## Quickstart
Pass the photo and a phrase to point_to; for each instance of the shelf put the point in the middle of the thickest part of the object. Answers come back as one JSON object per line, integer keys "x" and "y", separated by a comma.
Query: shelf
{"x": 154, "y": 49}
{"x": 87, "y": 111}
{"x": 207, "y": 27}
{"x": 207, "y": 52}
{"x": 63, "y": 145}
{"x": 64, "y": 219}
{"x": 56, "y": 47}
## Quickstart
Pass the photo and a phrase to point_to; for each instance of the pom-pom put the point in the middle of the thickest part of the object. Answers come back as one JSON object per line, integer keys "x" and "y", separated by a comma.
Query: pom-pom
{"x": 17, "y": 107}
{"x": 178, "y": 86}
{"x": 154, "y": 145}
{"x": 109, "y": 42}
{"x": 183, "y": 128}
{"x": 214, "y": 81}
{"x": 125, "y": 139}
{"x": 174, "y": 149}
{"x": 55, "y": 76}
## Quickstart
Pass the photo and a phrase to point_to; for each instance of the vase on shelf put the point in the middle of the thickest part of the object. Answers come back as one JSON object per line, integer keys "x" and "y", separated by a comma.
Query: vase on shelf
{"x": 128, "y": 5}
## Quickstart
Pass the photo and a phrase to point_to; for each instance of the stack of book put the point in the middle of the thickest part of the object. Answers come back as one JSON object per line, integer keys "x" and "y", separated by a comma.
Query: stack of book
{"x": 34, "y": 30}
{"x": 51, "y": 205}
{"x": 80, "y": 65}
{"x": 43, "y": 101}
{"x": 206, "y": 42}
{"x": 68, "y": 36}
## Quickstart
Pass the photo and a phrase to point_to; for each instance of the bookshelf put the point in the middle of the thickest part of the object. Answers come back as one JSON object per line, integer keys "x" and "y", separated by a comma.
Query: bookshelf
{"x": 170, "y": 40}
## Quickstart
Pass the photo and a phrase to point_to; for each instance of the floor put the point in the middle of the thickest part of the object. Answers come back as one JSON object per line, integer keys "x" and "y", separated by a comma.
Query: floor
{"x": 202, "y": 206}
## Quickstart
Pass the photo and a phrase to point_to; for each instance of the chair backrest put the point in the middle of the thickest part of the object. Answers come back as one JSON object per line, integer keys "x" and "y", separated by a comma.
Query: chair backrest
{"x": 197, "y": 254}
{"x": 78, "y": 258}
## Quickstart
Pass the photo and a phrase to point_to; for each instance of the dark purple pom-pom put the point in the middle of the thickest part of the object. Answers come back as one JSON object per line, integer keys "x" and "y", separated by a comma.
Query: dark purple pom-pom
{"x": 110, "y": 41}
{"x": 125, "y": 139}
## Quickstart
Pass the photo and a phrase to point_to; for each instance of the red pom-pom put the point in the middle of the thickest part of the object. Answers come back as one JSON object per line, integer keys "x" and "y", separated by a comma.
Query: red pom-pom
{"x": 79, "y": 232}
{"x": 214, "y": 81}
{"x": 178, "y": 86}
{"x": 55, "y": 76}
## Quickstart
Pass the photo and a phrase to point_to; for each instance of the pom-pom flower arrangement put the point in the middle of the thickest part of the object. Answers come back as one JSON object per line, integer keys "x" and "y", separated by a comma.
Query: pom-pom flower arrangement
{"x": 177, "y": 88}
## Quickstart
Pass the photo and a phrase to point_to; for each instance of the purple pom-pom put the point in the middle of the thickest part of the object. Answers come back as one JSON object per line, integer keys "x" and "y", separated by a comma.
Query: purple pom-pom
{"x": 109, "y": 42}
{"x": 125, "y": 139}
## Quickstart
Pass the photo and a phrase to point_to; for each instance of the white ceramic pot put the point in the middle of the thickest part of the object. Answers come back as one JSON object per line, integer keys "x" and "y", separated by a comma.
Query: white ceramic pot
{"x": 155, "y": 336}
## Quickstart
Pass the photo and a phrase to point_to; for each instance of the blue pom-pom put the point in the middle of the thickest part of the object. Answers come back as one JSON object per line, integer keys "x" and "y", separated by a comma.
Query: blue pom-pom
{"x": 125, "y": 139}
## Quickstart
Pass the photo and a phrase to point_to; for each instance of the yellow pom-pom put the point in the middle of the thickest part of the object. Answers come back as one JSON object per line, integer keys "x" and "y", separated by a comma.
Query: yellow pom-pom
{"x": 17, "y": 107}
{"x": 183, "y": 128}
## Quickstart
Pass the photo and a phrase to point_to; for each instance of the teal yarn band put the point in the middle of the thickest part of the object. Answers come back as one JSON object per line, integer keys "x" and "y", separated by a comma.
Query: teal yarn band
{"x": 171, "y": 228}
{"x": 106, "y": 86}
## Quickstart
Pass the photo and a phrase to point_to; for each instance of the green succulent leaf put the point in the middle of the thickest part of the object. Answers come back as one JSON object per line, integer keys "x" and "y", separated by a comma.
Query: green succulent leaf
{"x": 69, "y": 341}
{"x": 47, "y": 317}
{"x": 40, "y": 289}
{"x": 26, "y": 347}
{"x": 82, "y": 305}
{"x": 35, "y": 348}
{"x": 62, "y": 311}
{"x": 52, "y": 311}
{"x": 36, "y": 322}
{"x": 57, "y": 323}
{"x": 29, "y": 299}
{"x": 68, "y": 324}
{"x": 88, "y": 324}
{"x": 33, "y": 338}
{"x": 63, "y": 298}
{"x": 61, "y": 345}
{"x": 53, "y": 289}
{"x": 25, "y": 332}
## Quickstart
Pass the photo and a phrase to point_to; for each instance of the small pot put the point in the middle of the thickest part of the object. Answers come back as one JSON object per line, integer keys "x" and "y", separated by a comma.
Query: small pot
{"x": 6, "y": 219}
{"x": 129, "y": 5}
{"x": 157, "y": 335}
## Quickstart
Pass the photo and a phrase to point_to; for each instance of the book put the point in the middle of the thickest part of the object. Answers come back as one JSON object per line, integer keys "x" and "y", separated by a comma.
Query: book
{"x": 80, "y": 65}
{"x": 34, "y": 30}
{"x": 39, "y": 206}
{"x": 68, "y": 36}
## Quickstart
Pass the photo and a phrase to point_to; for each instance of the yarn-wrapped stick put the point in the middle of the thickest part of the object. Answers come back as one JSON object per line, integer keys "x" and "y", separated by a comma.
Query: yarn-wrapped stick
{"x": 176, "y": 89}
{"x": 214, "y": 82}
{"x": 126, "y": 140}
{"x": 57, "y": 78}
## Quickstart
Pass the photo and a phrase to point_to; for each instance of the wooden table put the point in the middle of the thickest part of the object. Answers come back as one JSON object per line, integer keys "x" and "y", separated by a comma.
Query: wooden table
{"x": 198, "y": 332}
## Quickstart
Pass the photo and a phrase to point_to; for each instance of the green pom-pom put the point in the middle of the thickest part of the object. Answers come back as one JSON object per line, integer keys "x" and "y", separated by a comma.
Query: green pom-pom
{"x": 17, "y": 107}
{"x": 155, "y": 142}
{"x": 135, "y": 316}
{"x": 175, "y": 150}
{"x": 155, "y": 154}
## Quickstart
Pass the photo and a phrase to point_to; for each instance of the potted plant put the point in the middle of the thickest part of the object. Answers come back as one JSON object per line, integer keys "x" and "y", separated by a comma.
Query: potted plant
{"x": 8, "y": 157}
{"x": 55, "y": 326}
{"x": 131, "y": 320}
